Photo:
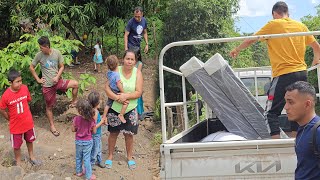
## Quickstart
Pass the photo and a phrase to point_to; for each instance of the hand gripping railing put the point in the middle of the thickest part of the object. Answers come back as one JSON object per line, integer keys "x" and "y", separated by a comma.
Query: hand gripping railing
{"x": 205, "y": 41}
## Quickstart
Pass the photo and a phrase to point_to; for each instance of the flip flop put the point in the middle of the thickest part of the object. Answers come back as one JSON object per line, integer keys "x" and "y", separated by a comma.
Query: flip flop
{"x": 82, "y": 173}
{"x": 108, "y": 164}
{"x": 35, "y": 162}
{"x": 55, "y": 133}
{"x": 131, "y": 164}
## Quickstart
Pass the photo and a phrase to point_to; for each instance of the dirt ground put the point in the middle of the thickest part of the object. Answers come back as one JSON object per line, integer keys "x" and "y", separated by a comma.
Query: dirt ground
{"x": 58, "y": 153}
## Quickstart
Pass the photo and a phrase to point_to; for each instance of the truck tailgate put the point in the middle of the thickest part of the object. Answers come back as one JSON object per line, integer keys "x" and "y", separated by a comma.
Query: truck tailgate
{"x": 255, "y": 159}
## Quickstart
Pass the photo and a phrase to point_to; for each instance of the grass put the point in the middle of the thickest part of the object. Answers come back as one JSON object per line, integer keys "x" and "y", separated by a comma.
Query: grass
{"x": 157, "y": 139}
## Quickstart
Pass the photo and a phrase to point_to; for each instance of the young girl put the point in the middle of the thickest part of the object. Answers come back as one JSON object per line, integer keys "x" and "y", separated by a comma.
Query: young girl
{"x": 116, "y": 86}
{"x": 84, "y": 126}
{"x": 94, "y": 100}
{"x": 97, "y": 58}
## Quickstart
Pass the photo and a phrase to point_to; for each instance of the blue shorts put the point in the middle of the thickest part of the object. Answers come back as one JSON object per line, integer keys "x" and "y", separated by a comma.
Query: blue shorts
{"x": 98, "y": 59}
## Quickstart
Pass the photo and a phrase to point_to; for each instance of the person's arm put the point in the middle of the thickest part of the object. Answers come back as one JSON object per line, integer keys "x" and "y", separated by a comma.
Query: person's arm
{"x": 35, "y": 75}
{"x": 99, "y": 124}
{"x": 4, "y": 114}
{"x": 145, "y": 35}
{"x": 316, "y": 52}
{"x": 137, "y": 93}
{"x": 246, "y": 43}
{"x": 94, "y": 129}
{"x": 61, "y": 68}
{"x": 95, "y": 117}
{"x": 126, "y": 34}
{"x": 73, "y": 128}
{"x": 120, "y": 86}
{"x": 110, "y": 93}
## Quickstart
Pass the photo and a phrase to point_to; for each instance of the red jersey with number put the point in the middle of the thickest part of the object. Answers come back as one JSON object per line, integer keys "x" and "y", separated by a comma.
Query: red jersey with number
{"x": 18, "y": 109}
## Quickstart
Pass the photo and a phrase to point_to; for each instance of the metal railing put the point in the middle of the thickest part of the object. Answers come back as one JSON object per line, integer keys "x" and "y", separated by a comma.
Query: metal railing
{"x": 163, "y": 68}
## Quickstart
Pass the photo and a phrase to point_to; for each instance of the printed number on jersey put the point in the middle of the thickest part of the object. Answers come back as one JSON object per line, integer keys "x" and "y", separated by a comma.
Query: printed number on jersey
{"x": 19, "y": 108}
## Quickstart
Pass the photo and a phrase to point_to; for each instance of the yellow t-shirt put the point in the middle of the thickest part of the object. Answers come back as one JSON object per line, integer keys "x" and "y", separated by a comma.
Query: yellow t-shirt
{"x": 286, "y": 54}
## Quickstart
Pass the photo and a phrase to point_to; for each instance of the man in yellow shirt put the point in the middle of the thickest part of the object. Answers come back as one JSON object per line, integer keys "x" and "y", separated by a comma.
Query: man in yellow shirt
{"x": 286, "y": 58}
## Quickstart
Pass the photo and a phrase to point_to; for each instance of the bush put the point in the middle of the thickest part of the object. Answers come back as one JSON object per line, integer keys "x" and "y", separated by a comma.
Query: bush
{"x": 19, "y": 55}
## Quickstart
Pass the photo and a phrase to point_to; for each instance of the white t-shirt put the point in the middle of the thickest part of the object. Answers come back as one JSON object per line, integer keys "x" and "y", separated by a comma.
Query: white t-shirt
{"x": 98, "y": 50}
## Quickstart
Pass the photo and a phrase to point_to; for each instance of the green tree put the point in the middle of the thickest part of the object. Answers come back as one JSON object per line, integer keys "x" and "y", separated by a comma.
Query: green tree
{"x": 19, "y": 55}
{"x": 313, "y": 24}
{"x": 195, "y": 19}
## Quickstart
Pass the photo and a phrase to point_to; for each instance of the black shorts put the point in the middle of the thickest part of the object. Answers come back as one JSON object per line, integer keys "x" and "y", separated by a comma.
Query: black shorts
{"x": 115, "y": 124}
{"x": 137, "y": 51}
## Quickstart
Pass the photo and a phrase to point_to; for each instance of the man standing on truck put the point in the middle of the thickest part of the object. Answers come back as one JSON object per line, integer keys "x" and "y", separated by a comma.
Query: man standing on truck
{"x": 286, "y": 59}
{"x": 300, "y": 102}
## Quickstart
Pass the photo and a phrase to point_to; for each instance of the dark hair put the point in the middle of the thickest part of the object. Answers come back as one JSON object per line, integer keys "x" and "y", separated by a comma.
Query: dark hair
{"x": 112, "y": 62}
{"x": 280, "y": 7}
{"x": 131, "y": 51}
{"x": 13, "y": 74}
{"x": 99, "y": 42}
{"x": 138, "y": 9}
{"x": 44, "y": 41}
{"x": 85, "y": 109}
{"x": 304, "y": 88}
{"x": 94, "y": 98}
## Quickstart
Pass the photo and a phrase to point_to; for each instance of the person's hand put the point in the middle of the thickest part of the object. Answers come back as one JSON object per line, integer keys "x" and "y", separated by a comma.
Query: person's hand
{"x": 315, "y": 62}
{"x": 104, "y": 120}
{"x": 146, "y": 49}
{"x": 234, "y": 53}
{"x": 126, "y": 102}
{"x": 55, "y": 79}
{"x": 41, "y": 81}
{"x": 122, "y": 97}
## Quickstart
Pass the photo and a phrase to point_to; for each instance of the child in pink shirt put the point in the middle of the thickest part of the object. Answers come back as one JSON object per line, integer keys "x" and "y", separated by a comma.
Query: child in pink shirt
{"x": 84, "y": 126}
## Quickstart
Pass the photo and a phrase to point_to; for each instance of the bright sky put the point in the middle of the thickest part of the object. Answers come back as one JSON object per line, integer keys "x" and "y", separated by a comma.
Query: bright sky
{"x": 253, "y": 14}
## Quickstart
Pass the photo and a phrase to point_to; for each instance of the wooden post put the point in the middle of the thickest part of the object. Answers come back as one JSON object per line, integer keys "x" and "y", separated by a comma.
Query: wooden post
{"x": 170, "y": 121}
{"x": 155, "y": 42}
{"x": 180, "y": 118}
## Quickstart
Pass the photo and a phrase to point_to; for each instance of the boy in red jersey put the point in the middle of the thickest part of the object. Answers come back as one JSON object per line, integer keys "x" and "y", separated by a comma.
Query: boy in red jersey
{"x": 16, "y": 99}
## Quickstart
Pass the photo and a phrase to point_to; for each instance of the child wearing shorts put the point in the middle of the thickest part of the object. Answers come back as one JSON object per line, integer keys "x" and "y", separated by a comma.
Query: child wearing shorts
{"x": 116, "y": 86}
{"x": 16, "y": 99}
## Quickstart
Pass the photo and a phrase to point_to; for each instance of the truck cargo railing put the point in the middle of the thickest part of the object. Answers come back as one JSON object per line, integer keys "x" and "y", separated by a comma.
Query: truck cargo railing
{"x": 163, "y": 68}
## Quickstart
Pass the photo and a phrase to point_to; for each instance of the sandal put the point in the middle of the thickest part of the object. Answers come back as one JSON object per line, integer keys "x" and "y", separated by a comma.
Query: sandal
{"x": 108, "y": 164}
{"x": 80, "y": 174}
{"x": 101, "y": 165}
{"x": 55, "y": 133}
{"x": 131, "y": 164}
{"x": 35, "y": 162}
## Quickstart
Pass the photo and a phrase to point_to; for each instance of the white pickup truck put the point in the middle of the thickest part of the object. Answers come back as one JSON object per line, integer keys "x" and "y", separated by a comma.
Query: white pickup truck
{"x": 185, "y": 157}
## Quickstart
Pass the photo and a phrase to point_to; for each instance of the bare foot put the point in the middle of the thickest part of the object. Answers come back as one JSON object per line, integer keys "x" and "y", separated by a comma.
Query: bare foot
{"x": 122, "y": 118}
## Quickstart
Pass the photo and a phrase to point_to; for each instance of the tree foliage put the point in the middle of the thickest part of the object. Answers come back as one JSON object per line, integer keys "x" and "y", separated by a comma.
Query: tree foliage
{"x": 18, "y": 55}
{"x": 190, "y": 20}
{"x": 313, "y": 24}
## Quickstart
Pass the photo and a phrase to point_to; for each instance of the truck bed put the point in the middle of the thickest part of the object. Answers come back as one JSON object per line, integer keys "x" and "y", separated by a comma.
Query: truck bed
{"x": 183, "y": 157}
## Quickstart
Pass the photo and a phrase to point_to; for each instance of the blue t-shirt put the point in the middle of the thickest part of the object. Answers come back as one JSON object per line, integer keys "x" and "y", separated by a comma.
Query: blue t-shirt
{"x": 307, "y": 166}
{"x": 135, "y": 30}
{"x": 113, "y": 78}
